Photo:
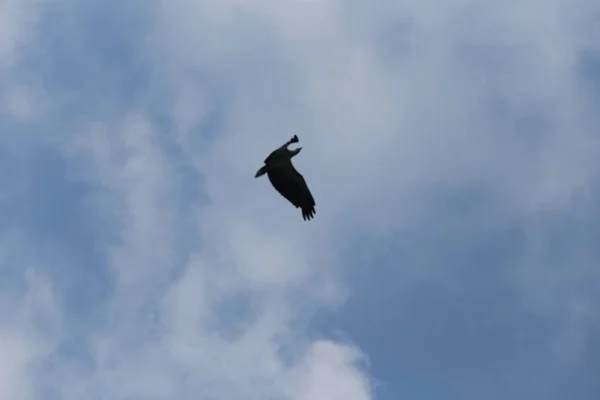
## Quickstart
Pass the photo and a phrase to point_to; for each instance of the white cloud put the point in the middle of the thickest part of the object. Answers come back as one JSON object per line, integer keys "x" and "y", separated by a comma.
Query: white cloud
{"x": 13, "y": 373}
{"x": 181, "y": 334}
{"x": 207, "y": 299}
{"x": 379, "y": 132}
{"x": 29, "y": 330}
{"x": 328, "y": 362}
{"x": 17, "y": 27}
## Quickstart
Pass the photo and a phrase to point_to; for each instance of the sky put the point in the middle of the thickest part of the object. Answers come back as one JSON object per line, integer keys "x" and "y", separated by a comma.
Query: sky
{"x": 452, "y": 148}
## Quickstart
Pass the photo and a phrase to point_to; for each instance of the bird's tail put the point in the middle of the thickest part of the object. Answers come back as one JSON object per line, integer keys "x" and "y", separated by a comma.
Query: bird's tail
{"x": 261, "y": 171}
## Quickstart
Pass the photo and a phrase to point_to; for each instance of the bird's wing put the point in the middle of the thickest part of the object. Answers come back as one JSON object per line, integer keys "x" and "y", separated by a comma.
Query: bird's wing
{"x": 291, "y": 185}
{"x": 270, "y": 156}
{"x": 273, "y": 155}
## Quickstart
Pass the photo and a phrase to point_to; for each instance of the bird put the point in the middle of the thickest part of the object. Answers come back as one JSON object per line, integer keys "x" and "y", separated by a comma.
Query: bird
{"x": 287, "y": 180}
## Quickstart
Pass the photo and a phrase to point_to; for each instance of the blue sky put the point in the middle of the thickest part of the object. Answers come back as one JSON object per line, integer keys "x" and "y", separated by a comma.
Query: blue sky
{"x": 452, "y": 149}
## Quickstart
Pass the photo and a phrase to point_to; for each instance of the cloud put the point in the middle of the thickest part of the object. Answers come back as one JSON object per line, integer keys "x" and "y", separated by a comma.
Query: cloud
{"x": 27, "y": 331}
{"x": 450, "y": 148}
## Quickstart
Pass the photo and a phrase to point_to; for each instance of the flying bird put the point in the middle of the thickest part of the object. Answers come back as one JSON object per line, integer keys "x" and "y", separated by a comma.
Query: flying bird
{"x": 287, "y": 180}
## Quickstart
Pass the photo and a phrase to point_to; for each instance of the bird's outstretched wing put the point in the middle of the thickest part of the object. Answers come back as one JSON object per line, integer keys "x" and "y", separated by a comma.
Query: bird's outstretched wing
{"x": 291, "y": 185}
{"x": 271, "y": 156}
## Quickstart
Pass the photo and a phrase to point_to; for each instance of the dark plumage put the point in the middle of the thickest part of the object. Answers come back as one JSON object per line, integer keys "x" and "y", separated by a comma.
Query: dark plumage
{"x": 287, "y": 180}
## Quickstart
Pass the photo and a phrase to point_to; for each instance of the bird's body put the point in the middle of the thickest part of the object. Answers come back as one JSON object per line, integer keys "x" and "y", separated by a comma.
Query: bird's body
{"x": 287, "y": 180}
